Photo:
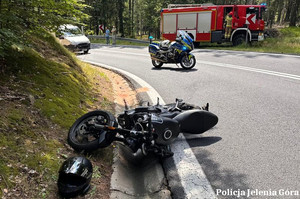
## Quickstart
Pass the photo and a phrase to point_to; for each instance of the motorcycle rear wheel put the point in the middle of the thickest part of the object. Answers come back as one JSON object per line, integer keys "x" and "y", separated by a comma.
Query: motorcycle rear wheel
{"x": 156, "y": 64}
{"x": 81, "y": 138}
{"x": 187, "y": 63}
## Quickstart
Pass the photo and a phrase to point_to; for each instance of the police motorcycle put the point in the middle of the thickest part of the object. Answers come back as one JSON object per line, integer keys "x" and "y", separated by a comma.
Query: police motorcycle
{"x": 150, "y": 128}
{"x": 178, "y": 51}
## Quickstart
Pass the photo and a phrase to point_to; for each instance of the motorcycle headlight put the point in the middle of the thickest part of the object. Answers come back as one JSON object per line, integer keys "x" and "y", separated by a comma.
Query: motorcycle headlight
{"x": 184, "y": 48}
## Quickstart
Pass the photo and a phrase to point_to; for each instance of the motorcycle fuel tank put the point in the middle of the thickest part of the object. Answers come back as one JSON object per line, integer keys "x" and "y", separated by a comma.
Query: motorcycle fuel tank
{"x": 196, "y": 121}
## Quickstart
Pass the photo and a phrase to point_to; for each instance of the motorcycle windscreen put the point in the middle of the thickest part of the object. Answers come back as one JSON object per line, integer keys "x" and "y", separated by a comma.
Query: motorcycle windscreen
{"x": 196, "y": 121}
{"x": 186, "y": 38}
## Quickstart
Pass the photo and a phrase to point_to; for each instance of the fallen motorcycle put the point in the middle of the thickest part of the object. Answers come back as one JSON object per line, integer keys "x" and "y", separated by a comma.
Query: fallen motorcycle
{"x": 178, "y": 51}
{"x": 149, "y": 128}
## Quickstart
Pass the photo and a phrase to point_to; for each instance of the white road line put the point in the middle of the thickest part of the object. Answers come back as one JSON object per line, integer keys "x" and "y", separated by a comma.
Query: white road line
{"x": 274, "y": 73}
{"x": 192, "y": 177}
{"x": 236, "y": 52}
{"x": 268, "y": 72}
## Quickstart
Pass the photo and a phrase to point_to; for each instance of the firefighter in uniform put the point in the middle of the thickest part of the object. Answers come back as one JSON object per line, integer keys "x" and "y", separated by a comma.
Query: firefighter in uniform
{"x": 228, "y": 27}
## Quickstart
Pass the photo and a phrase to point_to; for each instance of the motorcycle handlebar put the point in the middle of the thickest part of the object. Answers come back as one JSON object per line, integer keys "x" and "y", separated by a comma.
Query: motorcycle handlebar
{"x": 115, "y": 129}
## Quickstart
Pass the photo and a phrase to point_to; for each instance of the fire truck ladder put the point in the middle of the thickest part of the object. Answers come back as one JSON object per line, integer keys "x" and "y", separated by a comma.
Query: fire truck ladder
{"x": 188, "y": 5}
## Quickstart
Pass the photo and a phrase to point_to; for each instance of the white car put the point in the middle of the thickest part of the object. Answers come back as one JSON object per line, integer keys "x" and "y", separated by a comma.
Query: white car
{"x": 73, "y": 38}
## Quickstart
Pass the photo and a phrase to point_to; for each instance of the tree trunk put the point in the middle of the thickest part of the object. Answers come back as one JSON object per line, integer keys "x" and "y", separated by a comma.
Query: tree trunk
{"x": 0, "y": 13}
{"x": 269, "y": 14}
{"x": 294, "y": 12}
{"x": 129, "y": 9}
{"x": 132, "y": 14}
{"x": 288, "y": 11}
{"x": 120, "y": 13}
{"x": 280, "y": 9}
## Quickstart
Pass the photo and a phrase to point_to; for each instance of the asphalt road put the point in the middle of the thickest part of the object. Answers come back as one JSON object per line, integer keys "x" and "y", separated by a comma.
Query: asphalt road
{"x": 255, "y": 145}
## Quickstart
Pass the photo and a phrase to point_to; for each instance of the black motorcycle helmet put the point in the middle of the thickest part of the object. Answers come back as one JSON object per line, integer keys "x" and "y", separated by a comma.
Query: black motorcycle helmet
{"x": 74, "y": 177}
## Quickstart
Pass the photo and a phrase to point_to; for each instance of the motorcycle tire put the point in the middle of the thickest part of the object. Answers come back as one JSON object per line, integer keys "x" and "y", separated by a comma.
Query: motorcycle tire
{"x": 83, "y": 142}
{"x": 156, "y": 64}
{"x": 186, "y": 63}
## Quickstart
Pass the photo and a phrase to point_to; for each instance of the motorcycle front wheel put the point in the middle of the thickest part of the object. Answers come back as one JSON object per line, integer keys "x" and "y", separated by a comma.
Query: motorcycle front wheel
{"x": 187, "y": 63}
{"x": 82, "y": 137}
{"x": 156, "y": 64}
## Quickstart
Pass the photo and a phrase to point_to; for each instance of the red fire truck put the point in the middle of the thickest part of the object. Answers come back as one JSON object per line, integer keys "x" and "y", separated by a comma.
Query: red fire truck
{"x": 205, "y": 23}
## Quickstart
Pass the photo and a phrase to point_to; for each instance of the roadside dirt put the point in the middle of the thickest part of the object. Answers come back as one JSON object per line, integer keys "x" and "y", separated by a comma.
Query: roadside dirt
{"x": 29, "y": 183}
{"x": 121, "y": 91}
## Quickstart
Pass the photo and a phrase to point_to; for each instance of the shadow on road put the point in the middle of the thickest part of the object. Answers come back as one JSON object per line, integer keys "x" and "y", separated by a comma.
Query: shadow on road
{"x": 221, "y": 179}
{"x": 246, "y": 54}
{"x": 81, "y": 53}
{"x": 196, "y": 141}
{"x": 176, "y": 69}
{"x": 98, "y": 46}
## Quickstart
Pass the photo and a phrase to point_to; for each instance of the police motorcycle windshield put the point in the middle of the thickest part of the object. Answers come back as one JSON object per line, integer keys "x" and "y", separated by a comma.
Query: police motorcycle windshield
{"x": 186, "y": 38}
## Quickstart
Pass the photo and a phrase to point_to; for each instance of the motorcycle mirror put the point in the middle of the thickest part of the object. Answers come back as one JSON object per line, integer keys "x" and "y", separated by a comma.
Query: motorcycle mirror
{"x": 177, "y": 102}
{"x": 158, "y": 101}
{"x": 150, "y": 38}
{"x": 126, "y": 107}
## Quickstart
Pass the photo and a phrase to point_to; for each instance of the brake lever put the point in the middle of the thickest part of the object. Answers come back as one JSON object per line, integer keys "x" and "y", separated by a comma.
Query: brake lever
{"x": 176, "y": 105}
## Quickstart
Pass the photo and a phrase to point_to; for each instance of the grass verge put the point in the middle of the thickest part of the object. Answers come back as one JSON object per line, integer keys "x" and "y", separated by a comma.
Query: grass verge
{"x": 43, "y": 90}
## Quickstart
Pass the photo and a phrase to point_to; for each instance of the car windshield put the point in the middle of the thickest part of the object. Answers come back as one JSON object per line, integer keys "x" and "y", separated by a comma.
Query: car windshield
{"x": 71, "y": 31}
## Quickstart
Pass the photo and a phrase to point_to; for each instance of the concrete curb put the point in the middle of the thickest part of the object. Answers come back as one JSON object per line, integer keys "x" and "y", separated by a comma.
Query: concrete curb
{"x": 134, "y": 175}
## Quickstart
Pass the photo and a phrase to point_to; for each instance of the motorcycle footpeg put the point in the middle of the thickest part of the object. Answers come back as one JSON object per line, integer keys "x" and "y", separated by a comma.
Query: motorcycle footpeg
{"x": 206, "y": 107}
{"x": 166, "y": 154}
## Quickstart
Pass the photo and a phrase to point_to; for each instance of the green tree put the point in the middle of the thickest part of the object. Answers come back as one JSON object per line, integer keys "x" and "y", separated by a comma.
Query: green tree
{"x": 294, "y": 12}
{"x": 19, "y": 18}
{"x": 120, "y": 6}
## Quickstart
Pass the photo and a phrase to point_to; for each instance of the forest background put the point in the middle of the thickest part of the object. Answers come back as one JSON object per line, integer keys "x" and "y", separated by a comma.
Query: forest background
{"x": 142, "y": 17}
{"x": 132, "y": 18}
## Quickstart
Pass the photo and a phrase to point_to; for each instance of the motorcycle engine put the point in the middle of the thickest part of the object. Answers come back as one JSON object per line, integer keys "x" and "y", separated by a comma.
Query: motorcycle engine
{"x": 162, "y": 55}
{"x": 171, "y": 55}
{"x": 166, "y": 129}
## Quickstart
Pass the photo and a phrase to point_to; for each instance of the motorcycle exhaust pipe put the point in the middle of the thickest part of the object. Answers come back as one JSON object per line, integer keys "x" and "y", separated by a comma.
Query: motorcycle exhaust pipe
{"x": 196, "y": 121}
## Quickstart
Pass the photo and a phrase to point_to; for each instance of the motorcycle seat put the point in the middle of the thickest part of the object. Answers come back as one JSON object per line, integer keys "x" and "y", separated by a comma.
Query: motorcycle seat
{"x": 169, "y": 115}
